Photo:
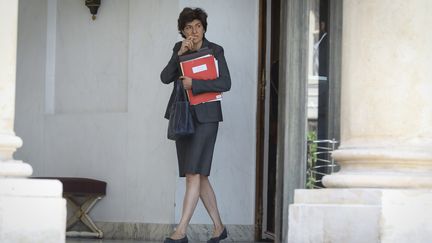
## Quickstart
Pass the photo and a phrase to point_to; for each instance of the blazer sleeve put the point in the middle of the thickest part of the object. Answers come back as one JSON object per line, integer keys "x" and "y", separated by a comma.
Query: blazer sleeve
{"x": 171, "y": 71}
{"x": 221, "y": 84}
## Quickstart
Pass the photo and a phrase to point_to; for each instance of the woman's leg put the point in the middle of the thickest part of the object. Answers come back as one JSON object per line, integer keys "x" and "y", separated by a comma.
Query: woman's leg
{"x": 208, "y": 198}
{"x": 189, "y": 203}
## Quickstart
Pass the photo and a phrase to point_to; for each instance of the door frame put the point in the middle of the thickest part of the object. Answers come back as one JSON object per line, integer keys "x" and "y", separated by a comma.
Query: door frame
{"x": 260, "y": 121}
{"x": 292, "y": 117}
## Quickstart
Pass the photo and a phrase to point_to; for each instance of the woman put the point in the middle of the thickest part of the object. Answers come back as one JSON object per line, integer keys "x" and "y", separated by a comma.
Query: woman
{"x": 195, "y": 152}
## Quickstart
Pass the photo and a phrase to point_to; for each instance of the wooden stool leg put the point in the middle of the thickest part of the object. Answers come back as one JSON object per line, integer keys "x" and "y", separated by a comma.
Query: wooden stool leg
{"x": 71, "y": 221}
{"x": 85, "y": 218}
{"x": 81, "y": 214}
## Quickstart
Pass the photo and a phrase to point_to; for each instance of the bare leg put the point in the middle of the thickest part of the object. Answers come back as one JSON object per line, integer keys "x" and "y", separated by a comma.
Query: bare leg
{"x": 189, "y": 203}
{"x": 208, "y": 198}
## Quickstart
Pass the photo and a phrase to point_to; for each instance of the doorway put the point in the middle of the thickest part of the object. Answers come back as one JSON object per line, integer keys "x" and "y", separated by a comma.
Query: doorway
{"x": 321, "y": 63}
{"x": 267, "y": 119}
{"x": 272, "y": 118}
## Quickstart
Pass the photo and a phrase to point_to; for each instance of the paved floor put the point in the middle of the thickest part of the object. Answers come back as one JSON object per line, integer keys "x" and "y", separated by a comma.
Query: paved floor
{"x": 70, "y": 240}
{"x": 106, "y": 241}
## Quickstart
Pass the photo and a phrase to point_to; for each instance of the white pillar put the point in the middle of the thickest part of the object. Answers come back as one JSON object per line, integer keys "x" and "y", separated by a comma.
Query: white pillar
{"x": 30, "y": 210}
{"x": 386, "y": 115}
{"x": 383, "y": 192}
{"x": 8, "y": 47}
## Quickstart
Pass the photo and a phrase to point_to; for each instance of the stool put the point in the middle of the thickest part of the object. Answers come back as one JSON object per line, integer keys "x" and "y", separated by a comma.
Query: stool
{"x": 92, "y": 191}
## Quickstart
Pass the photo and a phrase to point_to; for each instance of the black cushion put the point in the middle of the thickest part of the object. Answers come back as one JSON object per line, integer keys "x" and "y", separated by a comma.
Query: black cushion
{"x": 78, "y": 185}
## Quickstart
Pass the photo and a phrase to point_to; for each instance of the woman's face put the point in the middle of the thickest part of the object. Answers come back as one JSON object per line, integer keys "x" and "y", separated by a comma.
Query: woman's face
{"x": 194, "y": 30}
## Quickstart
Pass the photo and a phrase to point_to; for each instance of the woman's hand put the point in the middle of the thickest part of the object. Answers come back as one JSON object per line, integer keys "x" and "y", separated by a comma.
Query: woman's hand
{"x": 187, "y": 44}
{"x": 187, "y": 82}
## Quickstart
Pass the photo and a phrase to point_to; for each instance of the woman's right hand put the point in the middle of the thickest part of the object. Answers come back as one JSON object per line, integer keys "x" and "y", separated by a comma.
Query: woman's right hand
{"x": 187, "y": 44}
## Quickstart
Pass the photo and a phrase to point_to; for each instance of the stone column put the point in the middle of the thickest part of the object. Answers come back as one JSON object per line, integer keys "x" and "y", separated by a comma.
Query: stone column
{"x": 383, "y": 192}
{"x": 386, "y": 116}
{"x": 8, "y": 46}
{"x": 31, "y": 210}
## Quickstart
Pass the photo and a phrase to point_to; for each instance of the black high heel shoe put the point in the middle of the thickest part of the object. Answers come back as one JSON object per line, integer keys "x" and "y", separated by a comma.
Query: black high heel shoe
{"x": 222, "y": 236}
{"x": 182, "y": 240}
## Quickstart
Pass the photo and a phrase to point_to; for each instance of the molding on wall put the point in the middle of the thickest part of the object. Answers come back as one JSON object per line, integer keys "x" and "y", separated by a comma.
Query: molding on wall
{"x": 50, "y": 56}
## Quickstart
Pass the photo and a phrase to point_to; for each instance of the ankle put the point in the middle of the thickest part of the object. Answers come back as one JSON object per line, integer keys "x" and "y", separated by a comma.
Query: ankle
{"x": 219, "y": 227}
{"x": 180, "y": 231}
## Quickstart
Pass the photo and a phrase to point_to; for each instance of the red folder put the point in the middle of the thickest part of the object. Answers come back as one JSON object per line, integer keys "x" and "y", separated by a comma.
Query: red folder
{"x": 203, "y": 68}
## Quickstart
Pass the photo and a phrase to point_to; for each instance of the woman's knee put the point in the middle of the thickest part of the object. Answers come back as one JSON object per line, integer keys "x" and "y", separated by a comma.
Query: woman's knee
{"x": 203, "y": 178}
{"x": 192, "y": 177}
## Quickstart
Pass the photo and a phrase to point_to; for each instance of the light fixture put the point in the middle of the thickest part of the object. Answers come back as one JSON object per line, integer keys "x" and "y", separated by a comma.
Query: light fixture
{"x": 93, "y": 5}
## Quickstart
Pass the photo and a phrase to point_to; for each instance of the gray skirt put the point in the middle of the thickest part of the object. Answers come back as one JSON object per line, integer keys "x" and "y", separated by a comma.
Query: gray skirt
{"x": 195, "y": 152}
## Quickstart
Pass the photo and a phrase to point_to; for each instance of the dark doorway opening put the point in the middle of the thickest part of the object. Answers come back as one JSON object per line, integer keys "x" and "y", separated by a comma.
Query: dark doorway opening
{"x": 273, "y": 117}
{"x": 268, "y": 98}
{"x": 267, "y": 119}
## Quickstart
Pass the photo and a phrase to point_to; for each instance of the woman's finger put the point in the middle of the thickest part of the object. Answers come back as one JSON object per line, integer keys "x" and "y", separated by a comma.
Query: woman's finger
{"x": 189, "y": 46}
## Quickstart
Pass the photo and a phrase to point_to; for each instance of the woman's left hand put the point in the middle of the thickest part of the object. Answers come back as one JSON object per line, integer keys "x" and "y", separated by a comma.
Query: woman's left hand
{"x": 187, "y": 82}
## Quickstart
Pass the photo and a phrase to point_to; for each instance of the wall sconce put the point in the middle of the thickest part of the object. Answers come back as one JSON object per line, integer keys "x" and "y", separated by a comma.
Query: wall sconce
{"x": 93, "y": 5}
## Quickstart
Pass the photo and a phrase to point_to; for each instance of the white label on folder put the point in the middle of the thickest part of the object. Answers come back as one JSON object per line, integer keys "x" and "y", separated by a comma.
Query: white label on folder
{"x": 199, "y": 68}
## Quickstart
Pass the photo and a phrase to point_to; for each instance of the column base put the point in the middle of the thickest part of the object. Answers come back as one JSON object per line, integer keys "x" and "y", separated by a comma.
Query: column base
{"x": 8, "y": 145}
{"x": 385, "y": 166}
{"x": 32, "y": 211}
{"x": 15, "y": 168}
{"x": 361, "y": 215}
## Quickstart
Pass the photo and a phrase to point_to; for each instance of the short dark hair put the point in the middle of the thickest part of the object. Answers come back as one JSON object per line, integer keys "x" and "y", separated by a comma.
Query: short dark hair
{"x": 188, "y": 15}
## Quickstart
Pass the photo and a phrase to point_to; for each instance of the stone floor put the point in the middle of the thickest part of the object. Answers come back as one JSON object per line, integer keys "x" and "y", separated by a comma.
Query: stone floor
{"x": 72, "y": 240}
{"x": 103, "y": 241}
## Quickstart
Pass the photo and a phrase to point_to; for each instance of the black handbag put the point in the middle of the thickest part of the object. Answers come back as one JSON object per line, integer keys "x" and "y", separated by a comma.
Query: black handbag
{"x": 180, "y": 120}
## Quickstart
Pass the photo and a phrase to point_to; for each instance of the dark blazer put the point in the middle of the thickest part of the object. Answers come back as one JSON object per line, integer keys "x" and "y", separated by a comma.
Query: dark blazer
{"x": 205, "y": 112}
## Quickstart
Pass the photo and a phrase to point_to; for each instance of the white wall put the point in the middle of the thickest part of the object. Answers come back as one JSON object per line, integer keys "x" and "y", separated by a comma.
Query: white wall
{"x": 101, "y": 114}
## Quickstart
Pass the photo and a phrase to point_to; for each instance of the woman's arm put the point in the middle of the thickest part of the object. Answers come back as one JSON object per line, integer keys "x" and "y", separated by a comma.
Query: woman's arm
{"x": 171, "y": 73}
{"x": 221, "y": 84}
